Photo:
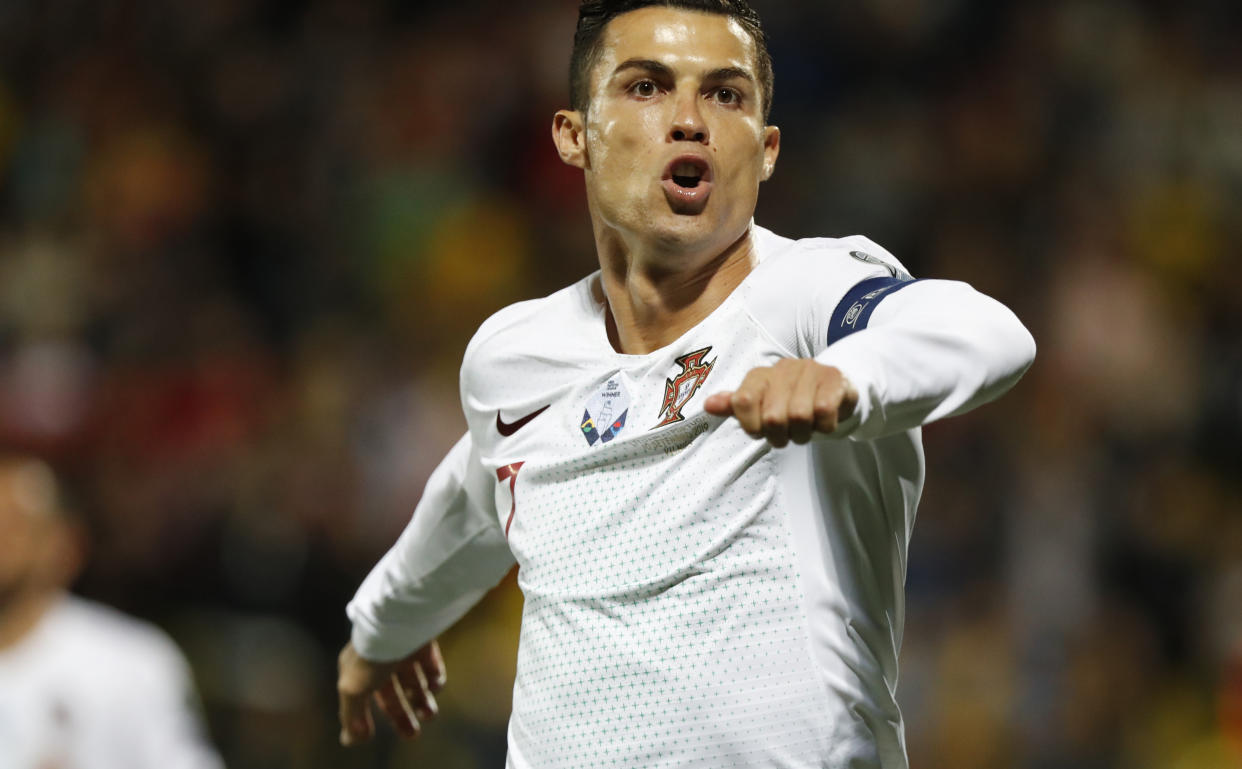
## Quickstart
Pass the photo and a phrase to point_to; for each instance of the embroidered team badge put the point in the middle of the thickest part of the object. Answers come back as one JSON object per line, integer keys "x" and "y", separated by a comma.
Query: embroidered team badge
{"x": 605, "y": 413}
{"x": 679, "y": 390}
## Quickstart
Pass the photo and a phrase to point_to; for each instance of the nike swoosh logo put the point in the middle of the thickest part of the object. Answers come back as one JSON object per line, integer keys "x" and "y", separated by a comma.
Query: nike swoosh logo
{"x": 509, "y": 429}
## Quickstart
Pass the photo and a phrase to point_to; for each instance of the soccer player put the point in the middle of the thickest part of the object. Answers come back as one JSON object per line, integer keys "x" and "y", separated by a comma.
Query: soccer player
{"x": 705, "y": 457}
{"x": 81, "y": 685}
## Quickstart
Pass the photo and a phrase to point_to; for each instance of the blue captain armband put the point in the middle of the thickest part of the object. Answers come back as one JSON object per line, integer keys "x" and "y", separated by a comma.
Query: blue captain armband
{"x": 854, "y": 311}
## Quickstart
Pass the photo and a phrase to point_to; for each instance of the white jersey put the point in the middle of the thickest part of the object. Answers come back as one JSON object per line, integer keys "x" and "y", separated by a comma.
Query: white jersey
{"x": 693, "y": 596}
{"x": 90, "y": 688}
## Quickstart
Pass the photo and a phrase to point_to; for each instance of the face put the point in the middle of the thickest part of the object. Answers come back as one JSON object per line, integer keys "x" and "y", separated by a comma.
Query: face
{"x": 35, "y": 543}
{"x": 673, "y": 144}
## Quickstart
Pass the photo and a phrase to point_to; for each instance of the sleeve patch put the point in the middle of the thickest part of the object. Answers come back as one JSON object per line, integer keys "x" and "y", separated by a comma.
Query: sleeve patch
{"x": 854, "y": 311}
{"x": 893, "y": 270}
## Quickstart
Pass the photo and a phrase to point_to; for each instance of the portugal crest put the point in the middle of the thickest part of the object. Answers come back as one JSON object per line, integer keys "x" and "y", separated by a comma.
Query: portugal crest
{"x": 680, "y": 389}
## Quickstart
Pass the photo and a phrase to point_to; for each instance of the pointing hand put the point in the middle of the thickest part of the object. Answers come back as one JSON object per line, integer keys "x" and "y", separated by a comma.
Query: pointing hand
{"x": 789, "y": 401}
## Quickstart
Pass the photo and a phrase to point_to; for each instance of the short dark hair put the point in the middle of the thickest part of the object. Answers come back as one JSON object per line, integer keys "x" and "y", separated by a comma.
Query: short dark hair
{"x": 594, "y": 15}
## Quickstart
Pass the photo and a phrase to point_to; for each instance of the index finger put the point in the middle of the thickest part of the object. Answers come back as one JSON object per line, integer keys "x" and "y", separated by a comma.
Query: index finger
{"x": 431, "y": 661}
{"x": 719, "y": 404}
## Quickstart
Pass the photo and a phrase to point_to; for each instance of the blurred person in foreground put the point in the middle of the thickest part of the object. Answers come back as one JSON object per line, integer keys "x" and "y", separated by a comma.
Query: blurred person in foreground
{"x": 698, "y": 592}
{"x": 82, "y": 686}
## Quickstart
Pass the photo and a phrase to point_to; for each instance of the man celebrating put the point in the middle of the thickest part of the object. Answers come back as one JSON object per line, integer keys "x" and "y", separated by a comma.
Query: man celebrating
{"x": 698, "y": 593}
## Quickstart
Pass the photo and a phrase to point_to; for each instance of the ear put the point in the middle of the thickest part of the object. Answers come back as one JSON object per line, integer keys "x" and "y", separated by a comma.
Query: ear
{"x": 569, "y": 135}
{"x": 771, "y": 150}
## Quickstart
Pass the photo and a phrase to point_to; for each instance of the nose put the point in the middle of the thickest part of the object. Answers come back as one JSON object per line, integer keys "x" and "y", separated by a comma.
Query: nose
{"x": 688, "y": 123}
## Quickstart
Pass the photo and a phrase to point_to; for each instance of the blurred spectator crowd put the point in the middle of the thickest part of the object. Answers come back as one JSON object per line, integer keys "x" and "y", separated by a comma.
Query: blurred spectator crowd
{"x": 243, "y": 245}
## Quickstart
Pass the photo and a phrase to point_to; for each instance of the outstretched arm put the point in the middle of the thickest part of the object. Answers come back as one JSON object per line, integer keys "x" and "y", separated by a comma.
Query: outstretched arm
{"x": 451, "y": 553}
{"x": 915, "y": 353}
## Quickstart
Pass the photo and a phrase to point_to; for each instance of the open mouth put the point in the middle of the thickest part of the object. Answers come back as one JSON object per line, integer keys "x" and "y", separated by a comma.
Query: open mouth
{"x": 688, "y": 172}
{"x": 688, "y": 184}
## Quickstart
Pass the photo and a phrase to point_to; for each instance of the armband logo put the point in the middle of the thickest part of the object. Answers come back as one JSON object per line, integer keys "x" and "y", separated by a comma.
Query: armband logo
{"x": 851, "y": 317}
{"x": 854, "y": 311}
{"x": 857, "y": 309}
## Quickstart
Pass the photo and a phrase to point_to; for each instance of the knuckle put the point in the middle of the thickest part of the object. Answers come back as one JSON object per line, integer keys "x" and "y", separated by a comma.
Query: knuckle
{"x": 800, "y": 416}
{"x": 756, "y": 377}
{"x": 824, "y": 408}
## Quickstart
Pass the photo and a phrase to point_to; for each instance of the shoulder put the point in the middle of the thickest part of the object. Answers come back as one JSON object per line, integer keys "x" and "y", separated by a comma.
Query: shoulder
{"x": 799, "y": 283}
{"x": 524, "y": 350}
{"x": 533, "y": 325}
{"x": 110, "y": 641}
{"x": 811, "y": 263}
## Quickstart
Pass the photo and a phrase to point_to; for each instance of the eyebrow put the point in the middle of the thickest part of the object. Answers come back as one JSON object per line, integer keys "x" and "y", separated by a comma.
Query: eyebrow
{"x": 730, "y": 73}
{"x": 649, "y": 65}
{"x": 659, "y": 68}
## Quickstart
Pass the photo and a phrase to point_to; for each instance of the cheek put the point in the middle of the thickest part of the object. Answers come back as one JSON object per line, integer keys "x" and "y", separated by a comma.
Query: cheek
{"x": 15, "y": 555}
{"x": 622, "y": 146}
{"x": 748, "y": 171}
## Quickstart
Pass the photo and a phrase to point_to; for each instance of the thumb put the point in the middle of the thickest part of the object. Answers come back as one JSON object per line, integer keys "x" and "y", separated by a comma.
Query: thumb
{"x": 355, "y": 682}
{"x": 356, "y": 723}
{"x": 720, "y": 404}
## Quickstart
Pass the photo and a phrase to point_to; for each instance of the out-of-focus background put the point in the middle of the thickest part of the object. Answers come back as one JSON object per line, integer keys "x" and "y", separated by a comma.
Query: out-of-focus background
{"x": 243, "y": 245}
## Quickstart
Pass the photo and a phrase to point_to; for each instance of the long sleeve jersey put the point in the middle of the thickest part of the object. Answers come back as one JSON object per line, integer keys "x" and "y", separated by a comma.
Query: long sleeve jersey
{"x": 695, "y": 597}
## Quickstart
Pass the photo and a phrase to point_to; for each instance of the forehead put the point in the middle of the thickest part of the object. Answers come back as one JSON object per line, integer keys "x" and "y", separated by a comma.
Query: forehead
{"x": 678, "y": 37}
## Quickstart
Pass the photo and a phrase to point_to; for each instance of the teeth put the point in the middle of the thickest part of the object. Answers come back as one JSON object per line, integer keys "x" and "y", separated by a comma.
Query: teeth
{"x": 687, "y": 169}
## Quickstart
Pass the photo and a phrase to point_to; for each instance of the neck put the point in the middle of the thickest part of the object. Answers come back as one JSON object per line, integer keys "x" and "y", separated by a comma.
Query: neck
{"x": 20, "y": 614}
{"x": 655, "y": 298}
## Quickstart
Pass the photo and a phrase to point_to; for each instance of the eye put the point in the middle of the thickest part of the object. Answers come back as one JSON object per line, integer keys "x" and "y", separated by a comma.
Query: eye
{"x": 644, "y": 88}
{"x": 727, "y": 96}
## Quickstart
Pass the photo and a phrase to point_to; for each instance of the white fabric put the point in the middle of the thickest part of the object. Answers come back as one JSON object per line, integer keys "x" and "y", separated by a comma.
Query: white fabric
{"x": 694, "y": 597}
{"x": 451, "y": 553}
{"x": 90, "y": 688}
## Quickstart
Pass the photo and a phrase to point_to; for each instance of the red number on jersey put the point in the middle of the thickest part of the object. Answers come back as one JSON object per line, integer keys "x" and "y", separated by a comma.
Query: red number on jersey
{"x": 509, "y": 473}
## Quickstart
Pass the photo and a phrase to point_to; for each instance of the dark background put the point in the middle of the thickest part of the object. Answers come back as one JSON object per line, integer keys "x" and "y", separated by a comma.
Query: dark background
{"x": 243, "y": 244}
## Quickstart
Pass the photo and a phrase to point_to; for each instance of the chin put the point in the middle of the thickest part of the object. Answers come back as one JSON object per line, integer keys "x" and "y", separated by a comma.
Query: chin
{"x": 677, "y": 235}
{"x": 694, "y": 232}
{"x": 662, "y": 229}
